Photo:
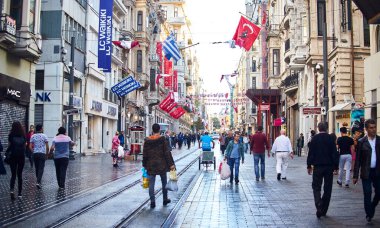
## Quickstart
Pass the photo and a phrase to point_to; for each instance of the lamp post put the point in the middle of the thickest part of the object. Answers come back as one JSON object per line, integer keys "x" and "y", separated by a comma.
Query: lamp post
{"x": 325, "y": 67}
{"x": 71, "y": 95}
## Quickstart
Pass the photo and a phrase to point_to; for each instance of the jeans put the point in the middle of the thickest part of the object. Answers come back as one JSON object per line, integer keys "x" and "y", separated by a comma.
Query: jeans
{"x": 17, "y": 165}
{"x": 282, "y": 159}
{"x": 234, "y": 162}
{"x": 299, "y": 151}
{"x": 367, "y": 190}
{"x": 246, "y": 147}
{"x": 39, "y": 163}
{"x": 322, "y": 174}
{"x": 60, "y": 170}
{"x": 345, "y": 162}
{"x": 261, "y": 158}
{"x": 152, "y": 181}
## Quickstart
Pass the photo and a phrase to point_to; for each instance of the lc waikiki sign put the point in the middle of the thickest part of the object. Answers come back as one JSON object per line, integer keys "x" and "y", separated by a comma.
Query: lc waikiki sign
{"x": 105, "y": 35}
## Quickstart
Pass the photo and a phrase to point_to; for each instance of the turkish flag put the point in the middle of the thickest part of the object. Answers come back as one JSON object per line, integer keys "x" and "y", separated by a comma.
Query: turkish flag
{"x": 246, "y": 33}
{"x": 126, "y": 44}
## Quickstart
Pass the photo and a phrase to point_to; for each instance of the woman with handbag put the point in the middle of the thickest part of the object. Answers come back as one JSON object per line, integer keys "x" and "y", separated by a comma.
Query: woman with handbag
{"x": 16, "y": 150}
{"x": 115, "y": 146}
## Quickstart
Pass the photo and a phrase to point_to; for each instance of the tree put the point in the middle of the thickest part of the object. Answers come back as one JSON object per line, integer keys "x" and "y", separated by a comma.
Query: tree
{"x": 216, "y": 123}
{"x": 199, "y": 125}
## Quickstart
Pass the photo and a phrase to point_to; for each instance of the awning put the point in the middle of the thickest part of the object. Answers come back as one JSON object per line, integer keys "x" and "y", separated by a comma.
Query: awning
{"x": 370, "y": 10}
{"x": 341, "y": 107}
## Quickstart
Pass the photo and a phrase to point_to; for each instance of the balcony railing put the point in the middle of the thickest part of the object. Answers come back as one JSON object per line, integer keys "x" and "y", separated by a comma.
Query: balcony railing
{"x": 7, "y": 30}
{"x": 287, "y": 45}
{"x": 176, "y": 20}
{"x": 290, "y": 81}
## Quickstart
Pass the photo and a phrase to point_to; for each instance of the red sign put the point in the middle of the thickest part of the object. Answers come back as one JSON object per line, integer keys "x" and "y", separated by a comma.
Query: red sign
{"x": 159, "y": 51}
{"x": 277, "y": 122}
{"x": 175, "y": 81}
{"x": 167, "y": 101}
{"x": 168, "y": 81}
{"x": 168, "y": 66}
{"x": 312, "y": 110}
{"x": 264, "y": 107}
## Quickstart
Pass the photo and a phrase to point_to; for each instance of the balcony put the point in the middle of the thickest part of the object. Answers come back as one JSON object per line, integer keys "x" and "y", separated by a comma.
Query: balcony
{"x": 301, "y": 54}
{"x": 28, "y": 45}
{"x": 7, "y": 30}
{"x": 116, "y": 55}
{"x": 153, "y": 58}
{"x": 172, "y": 1}
{"x": 177, "y": 20}
{"x": 181, "y": 44}
{"x": 274, "y": 30}
{"x": 179, "y": 68}
{"x": 127, "y": 33}
{"x": 129, "y": 3}
{"x": 290, "y": 84}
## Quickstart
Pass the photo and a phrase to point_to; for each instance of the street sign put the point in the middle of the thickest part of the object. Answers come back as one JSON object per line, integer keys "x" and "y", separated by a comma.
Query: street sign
{"x": 72, "y": 111}
{"x": 314, "y": 111}
{"x": 264, "y": 107}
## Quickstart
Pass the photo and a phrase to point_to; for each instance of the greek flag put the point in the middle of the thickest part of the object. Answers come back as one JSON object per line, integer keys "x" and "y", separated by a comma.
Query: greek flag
{"x": 171, "y": 49}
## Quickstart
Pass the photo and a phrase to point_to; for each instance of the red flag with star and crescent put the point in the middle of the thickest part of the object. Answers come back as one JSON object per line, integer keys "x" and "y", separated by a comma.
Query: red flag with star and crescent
{"x": 246, "y": 33}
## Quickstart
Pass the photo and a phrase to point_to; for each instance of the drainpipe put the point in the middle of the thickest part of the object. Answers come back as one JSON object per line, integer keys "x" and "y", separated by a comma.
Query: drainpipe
{"x": 350, "y": 26}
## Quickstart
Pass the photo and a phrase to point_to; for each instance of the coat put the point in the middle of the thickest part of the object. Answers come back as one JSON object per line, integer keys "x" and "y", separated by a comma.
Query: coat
{"x": 230, "y": 146}
{"x": 363, "y": 158}
{"x": 157, "y": 159}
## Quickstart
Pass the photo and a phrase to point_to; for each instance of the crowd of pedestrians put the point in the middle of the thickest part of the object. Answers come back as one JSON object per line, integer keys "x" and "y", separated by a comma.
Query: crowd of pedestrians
{"x": 35, "y": 146}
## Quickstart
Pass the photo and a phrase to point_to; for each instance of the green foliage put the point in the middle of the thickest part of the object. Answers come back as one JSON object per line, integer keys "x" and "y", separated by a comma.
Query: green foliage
{"x": 216, "y": 123}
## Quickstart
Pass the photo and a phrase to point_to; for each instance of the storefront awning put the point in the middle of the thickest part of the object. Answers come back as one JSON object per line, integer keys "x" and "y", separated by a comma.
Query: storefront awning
{"x": 370, "y": 10}
{"x": 341, "y": 107}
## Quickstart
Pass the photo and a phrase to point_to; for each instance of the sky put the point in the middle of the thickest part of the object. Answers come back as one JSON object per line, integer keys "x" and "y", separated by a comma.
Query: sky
{"x": 214, "y": 21}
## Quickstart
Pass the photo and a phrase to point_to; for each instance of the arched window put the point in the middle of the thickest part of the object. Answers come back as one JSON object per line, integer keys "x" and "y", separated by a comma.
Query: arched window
{"x": 378, "y": 38}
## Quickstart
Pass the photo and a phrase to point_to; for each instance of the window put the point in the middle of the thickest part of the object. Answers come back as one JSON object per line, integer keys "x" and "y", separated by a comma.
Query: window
{"x": 38, "y": 114}
{"x": 16, "y": 12}
{"x": 378, "y": 38}
{"x": 40, "y": 80}
{"x": 139, "y": 61}
{"x": 73, "y": 28}
{"x": 254, "y": 65}
{"x": 321, "y": 13}
{"x": 139, "y": 21}
{"x": 367, "y": 41}
{"x": 343, "y": 16}
{"x": 254, "y": 82}
{"x": 254, "y": 108}
{"x": 175, "y": 11}
{"x": 305, "y": 31}
{"x": 276, "y": 62}
{"x": 165, "y": 11}
{"x": 175, "y": 33}
{"x": 31, "y": 15}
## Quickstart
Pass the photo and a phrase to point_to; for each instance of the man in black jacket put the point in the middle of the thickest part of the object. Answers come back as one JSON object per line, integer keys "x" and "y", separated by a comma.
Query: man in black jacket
{"x": 368, "y": 161}
{"x": 324, "y": 158}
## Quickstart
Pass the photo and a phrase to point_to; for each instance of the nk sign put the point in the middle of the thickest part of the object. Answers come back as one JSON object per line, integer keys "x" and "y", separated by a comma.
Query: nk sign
{"x": 105, "y": 35}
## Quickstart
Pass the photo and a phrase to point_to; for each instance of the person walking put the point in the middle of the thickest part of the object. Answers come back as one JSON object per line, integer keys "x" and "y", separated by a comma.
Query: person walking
{"x": 114, "y": 149}
{"x": 322, "y": 163}
{"x": 235, "y": 153}
{"x": 39, "y": 146}
{"x": 29, "y": 153}
{"x": 258, "y": 144}
{"x": 368, "y": 162}
{"x": 180, "y": 140}
{"x": 345, "y": 145}
{"x": 168, "y": 140}
{"x": 61, "y": 146}
{"x": 245, "y": 142}
{"x": 300, "y": 144}
{"x": 222, "y": 140}
{"x": 282, "y": 148}
{"x": 122, "y": 139}
{"x": 188, "y": 141}
{"x": 17, "y": 149}
{"x": 157, "y": 160}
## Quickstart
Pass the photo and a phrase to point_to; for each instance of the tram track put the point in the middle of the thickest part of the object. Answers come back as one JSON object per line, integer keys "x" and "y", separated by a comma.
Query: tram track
{"x": 111, "y": 196}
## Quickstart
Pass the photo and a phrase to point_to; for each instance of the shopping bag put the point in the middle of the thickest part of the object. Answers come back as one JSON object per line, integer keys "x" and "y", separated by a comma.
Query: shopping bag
{"x": 173, "y": 175}
{"x": 145, "y": 182}
{"x": 172, "y": 186}
{"x": 120, "y": 151}
{"x": 226, "y": 172}
{"x": 220, "y": 167}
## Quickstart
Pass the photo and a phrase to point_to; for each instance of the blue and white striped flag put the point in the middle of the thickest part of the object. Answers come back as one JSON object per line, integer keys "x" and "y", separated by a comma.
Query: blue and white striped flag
{"x": 171, "y": 48}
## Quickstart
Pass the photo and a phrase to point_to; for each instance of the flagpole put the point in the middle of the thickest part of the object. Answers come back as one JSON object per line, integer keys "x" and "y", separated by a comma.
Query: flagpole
{"x": 189, "y": 46}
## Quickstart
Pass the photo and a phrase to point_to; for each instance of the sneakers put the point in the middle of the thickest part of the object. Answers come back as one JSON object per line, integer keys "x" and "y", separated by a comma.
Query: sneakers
{"x": 278, "y": 176}
{"x": 237, "y": 182}
{"x": 257, "y": 179}
{"x": 19, "y": 196}
{"x": 347, "y": 186}
{"x": 167, "y": 201}
{"x": 369, "y": 219}
{"x": 152, "y": 205}
{"x": 318, "y": 214}
{"x": 38, "y": 186}
{"x": 115, "y": 165}
{"x": 339, "y": 183}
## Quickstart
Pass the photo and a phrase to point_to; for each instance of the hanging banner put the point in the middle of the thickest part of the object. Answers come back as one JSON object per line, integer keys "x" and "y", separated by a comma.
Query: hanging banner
{"x": 159, "y": 51}
{"x": 105, "y": 35}
{"x": 122, "y": 84}
{"x": 175, "y": 81}
{"x": 170, "y": 107}
{"x": 167, "y": 101}
{"x": 168, "y": 66}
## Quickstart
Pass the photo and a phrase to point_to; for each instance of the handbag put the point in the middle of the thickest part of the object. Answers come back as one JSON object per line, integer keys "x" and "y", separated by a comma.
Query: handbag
{"x": 7, "y": 158}
{"x": 172, "y": 185}
{"x": 220, "y": 167}
{"x": 226, "y": 172}
{"x": 173, "y": 175}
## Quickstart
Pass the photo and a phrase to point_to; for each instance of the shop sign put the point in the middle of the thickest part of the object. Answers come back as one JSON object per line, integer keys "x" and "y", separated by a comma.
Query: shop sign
{"x": 77, "y": 102}
{"x": 314, "y": 111}
{"x": 14, "y": 89}
{"x": 264, "y": 107}
{"x": 97, "y": 106}
{"x": 43, "y": 96}
{"x": 111, "y": 111}
{"x": 13, "y": 92}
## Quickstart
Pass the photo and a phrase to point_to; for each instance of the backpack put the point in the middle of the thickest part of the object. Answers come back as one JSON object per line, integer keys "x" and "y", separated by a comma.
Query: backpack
{"x": 18, "y": 146}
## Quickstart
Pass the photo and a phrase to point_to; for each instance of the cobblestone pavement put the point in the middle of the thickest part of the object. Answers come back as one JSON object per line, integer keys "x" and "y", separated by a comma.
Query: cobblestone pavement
{"x": 83, "y": 174}
{"x": 270, "y": 203}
